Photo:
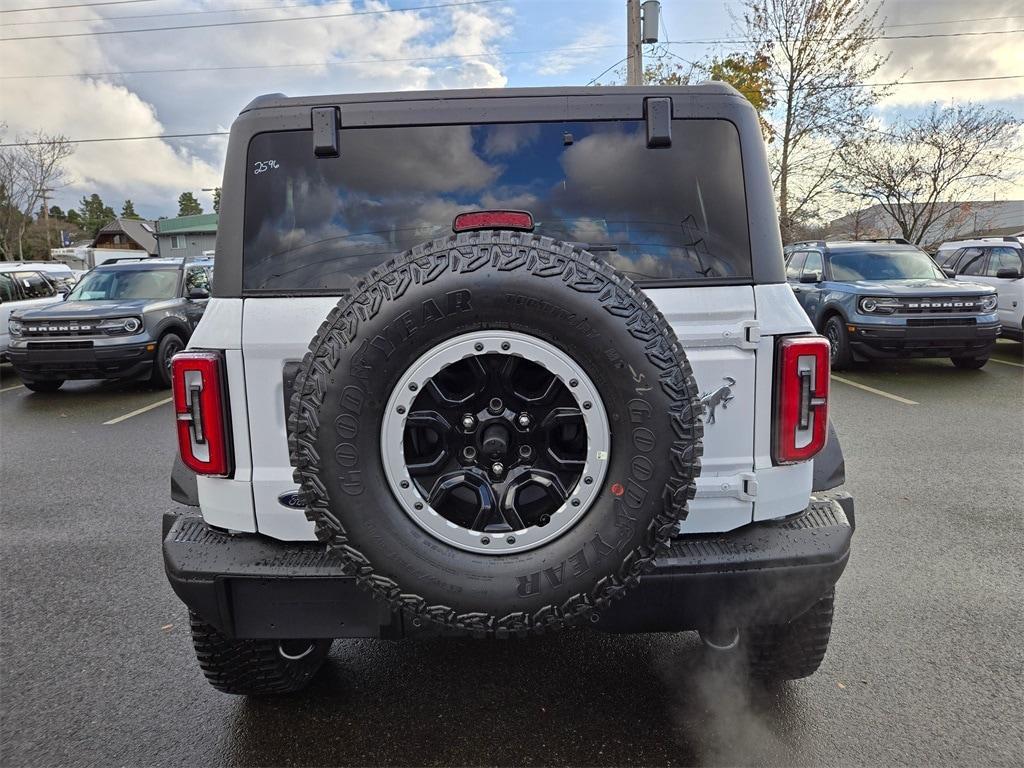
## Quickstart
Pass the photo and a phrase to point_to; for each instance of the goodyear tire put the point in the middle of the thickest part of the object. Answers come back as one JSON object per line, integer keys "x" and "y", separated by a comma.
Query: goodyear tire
{"x": 551, "y": 460}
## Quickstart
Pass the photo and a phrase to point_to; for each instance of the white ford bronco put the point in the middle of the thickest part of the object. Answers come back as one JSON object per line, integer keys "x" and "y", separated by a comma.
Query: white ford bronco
{"x": 500, "y": 363}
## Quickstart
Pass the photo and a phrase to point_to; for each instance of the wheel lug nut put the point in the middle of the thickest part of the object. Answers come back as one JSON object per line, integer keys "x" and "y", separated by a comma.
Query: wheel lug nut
{"x": 469, "y": 453}
{"x": 495, "y": 406}
{"x": 497, "y": 468}
{"x": 525, "y": 451}
{"x": 524, "y": 420}
{"x": 468, "y": 421}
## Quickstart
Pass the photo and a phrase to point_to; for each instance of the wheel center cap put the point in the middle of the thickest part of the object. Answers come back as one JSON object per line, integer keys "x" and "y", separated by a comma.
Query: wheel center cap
{"x": 495, "y": 441}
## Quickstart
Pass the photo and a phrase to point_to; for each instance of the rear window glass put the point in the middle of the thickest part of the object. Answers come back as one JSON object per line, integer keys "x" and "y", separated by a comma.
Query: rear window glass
{"x": 676, "y": 213}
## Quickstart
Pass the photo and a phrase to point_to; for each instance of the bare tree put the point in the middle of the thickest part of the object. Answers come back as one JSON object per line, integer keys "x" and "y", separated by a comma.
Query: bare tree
{"x": 821, "y": 56}
{"x": 923, "y": 170}
{"x": 28, "y": 172}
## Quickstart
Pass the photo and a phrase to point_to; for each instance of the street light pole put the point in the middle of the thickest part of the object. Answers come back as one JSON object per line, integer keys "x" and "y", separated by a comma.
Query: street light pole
{"x": 634, "y": 50}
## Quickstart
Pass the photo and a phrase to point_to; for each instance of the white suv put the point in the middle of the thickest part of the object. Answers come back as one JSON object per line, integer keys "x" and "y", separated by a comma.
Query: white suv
{"x": 498, "y": 363}
{"x": 995, "y": 261}
{"x": 22, "y": 286}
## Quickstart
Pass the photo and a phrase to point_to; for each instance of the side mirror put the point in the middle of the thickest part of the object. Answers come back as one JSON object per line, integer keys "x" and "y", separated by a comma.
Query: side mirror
{"x": 1009, "y": 273}
{"x": 949, "y": 271}
{"x": 810, "y": 277}
{"x": 198, "y": 293}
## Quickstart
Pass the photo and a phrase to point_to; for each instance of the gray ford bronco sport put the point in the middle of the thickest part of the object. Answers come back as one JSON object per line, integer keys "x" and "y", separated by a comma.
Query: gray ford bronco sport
{"x": 498, "y": 363}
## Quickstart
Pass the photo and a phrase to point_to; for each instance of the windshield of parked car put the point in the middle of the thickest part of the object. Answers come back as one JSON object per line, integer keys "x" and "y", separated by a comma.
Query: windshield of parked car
{"x": 105, "y": 284}
{"x": 883, "y": 265}
{"x": 667, "y": 213}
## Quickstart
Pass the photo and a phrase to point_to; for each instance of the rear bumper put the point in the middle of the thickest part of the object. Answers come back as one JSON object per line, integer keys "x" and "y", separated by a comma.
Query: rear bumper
{"x": 938, "y": 340}
{"x": 62, "y": 361}
{"x": 249, "y": 586}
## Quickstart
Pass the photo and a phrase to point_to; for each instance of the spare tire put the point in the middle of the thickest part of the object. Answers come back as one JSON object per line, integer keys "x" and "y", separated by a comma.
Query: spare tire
{"x": 497, "y": 432}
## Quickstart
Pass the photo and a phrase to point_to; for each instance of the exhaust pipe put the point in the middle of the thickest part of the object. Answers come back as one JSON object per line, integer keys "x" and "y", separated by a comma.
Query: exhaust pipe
{"x": 721, "y": 638}
{"x": 293, "y": 650}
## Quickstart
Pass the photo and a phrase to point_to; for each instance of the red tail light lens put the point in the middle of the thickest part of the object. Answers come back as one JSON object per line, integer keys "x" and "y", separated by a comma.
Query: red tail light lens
{"x": 466, "y": 222}
{"x": 200, "y": 407}
{"x": 801, "y": 398}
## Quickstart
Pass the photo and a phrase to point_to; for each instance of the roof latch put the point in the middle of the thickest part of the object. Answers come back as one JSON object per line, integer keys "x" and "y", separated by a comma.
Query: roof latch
{"x": 658, "y": 111}
{"x": 325, "y": 131}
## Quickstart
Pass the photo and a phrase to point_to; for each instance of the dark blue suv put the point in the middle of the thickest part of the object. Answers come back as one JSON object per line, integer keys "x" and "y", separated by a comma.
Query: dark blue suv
{"x": 886, "y": 299}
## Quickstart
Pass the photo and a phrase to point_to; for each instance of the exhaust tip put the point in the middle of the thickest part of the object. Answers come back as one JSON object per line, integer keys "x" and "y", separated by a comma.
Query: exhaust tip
{"x": 293, "y": 650}
{"x": 724, "y": 639}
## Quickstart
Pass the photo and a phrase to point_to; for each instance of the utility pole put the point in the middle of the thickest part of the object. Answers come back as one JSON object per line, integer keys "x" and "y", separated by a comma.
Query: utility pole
{"x": 46, "y": 218}
{"x": 634, "y": 50}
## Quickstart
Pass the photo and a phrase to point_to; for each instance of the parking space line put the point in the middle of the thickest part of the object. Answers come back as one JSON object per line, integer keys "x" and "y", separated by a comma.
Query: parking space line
{"x": 1005, "y": 362}
{"x": 138, "y": 411}
{"x": 8, "y": 389}
{"x": 874, "y": 391}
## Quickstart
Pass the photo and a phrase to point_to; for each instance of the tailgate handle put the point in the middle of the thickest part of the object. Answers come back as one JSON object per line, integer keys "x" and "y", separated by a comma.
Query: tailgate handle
{"x": 325, "y": 131}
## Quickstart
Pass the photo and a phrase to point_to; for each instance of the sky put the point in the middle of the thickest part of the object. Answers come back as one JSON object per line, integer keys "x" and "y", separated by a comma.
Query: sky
{"x": 460, "y": 45}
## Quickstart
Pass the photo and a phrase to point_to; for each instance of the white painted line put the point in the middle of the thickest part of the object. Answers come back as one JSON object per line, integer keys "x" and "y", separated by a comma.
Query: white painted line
{"x": 874, "y": 391}
{"x": 8, "y": 389}
{"x": 1004, "y": 362}
{"x": 137, "y": 411}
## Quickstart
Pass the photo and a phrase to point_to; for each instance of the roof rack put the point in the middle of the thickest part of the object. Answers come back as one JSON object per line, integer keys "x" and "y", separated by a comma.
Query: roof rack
{"x": 807, "y": 242}
{"x": 897, "y": 240}
{"x": 119, "y": 259}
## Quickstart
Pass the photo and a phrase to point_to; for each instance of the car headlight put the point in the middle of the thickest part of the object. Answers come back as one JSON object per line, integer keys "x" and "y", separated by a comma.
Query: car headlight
{"x": 872, "y": 305}
{"x": 989, "y": 303}
{"x": 15, "y": 327}
{"x": 121, "y": 325}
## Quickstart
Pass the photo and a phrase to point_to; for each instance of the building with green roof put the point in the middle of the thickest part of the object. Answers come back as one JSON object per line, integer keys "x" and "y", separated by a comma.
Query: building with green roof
{"x": 187, "y": 236}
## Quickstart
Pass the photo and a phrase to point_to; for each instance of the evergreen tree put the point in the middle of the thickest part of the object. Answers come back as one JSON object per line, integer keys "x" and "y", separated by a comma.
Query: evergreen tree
{"x": 94, "y": 214}
{"x": 128, "y": 210}
{"x": 188, "y": 205}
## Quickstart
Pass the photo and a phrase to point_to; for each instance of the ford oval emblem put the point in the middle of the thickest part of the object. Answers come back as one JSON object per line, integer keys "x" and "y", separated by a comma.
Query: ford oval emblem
{"x": 292, "y": 500}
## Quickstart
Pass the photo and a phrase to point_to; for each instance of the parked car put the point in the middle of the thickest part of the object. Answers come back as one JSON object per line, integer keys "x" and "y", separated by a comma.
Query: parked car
{"x": 22, "y": 287}
{"x": 411, "y": 410}
{"x": 62, "y": 276}
{"x": 888, "y": 299}
{"x": 998, "y": 262}
{"x": 123, "y": 320}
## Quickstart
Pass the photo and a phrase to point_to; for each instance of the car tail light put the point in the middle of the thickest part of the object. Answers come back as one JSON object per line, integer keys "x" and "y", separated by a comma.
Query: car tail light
{"x": 200, "y": 406}
{"x": 466, "y": 222}
{"x": 801, "y": 398}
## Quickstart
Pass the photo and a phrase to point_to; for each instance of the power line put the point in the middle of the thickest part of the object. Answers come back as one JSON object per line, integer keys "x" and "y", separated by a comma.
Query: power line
{"x": 951, "y": 21}
{"x": 74, "y": 5}
{"x": 225, "y": 133}
{"x": 246, "y": 9}
{"x": 310, "y": 64}
{"x": 122, "y": 138}
{"x": 595, "y": 79}
{"x": 719, "y": 41}
{"x": 248, "y": 22}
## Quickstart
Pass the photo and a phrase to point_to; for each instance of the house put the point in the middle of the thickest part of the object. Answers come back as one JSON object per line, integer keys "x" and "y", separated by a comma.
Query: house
{"x": 958, "y": 221}
{"x": 187, "y": 236}
{"x": 123, "y": 237}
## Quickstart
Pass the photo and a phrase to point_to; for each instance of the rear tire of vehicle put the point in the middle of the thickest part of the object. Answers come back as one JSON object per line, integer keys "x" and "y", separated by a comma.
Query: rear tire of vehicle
{"x": 839, "y": 341}
{"x": 523, "y": 289}
{"x": 51, "y": 385}
{"x": 969, "y": 363}
{"x": 168, "y": 347}
{"x": 794, "y": 650}
{"x": 255, "y": 667}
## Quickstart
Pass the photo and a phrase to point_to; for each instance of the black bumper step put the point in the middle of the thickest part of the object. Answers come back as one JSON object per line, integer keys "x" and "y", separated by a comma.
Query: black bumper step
{"x": 768, "y": 572}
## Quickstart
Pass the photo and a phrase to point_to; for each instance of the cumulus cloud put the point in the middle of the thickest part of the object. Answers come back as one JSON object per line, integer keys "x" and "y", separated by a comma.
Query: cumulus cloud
{"x": 153, "y": 173}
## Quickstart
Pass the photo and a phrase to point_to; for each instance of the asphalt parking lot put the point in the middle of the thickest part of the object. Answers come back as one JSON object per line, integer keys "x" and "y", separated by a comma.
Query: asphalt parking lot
{"x": 924, "y": 666}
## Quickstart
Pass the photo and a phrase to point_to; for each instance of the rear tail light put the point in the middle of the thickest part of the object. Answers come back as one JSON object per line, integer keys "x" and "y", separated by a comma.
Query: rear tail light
{"x": 200, "y": 407}
{"x": 466, "y": 222}
{"x": 801, "y": 398}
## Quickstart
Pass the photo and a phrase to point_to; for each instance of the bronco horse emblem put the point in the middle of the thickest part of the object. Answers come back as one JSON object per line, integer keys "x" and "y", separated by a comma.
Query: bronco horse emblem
{"x": 720, "y": 396}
